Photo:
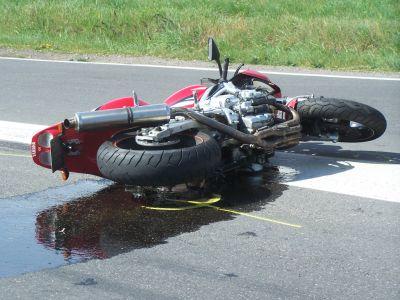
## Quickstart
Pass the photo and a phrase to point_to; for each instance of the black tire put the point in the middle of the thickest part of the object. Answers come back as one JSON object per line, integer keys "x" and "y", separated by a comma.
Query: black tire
{"x": 374, "y": 123}
{"x": 122, "y": 160}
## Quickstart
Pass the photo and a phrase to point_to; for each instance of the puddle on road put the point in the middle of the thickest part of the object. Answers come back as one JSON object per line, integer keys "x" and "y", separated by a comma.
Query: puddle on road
{"x": 93, "y": 219}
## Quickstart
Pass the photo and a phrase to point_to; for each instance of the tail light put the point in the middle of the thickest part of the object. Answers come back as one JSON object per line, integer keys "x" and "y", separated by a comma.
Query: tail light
{"x": 45, "y": 158}
{"x": 41, "y": 146}
{"x": 44, "y": 139}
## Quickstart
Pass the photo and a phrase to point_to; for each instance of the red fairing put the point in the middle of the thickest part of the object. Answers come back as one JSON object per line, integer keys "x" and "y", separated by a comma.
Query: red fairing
{"x": 253, "y": 73}
{"x": 184, "y": 97}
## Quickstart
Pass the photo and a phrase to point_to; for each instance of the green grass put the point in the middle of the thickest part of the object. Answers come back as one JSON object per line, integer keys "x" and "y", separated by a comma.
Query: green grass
{"x": 333, "y": 34}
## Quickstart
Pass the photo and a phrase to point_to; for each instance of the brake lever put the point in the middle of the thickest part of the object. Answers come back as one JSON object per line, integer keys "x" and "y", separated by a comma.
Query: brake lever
{"x": 225, "y": 70}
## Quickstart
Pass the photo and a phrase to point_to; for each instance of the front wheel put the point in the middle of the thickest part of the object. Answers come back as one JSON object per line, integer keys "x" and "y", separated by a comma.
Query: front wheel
{"x": 351, "y": 121}
{"x": 122, "y": 159}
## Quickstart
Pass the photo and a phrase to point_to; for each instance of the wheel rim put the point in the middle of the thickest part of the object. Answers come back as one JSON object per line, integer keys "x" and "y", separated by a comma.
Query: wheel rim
{"x": 174, "y": 142}
{"x": 348, "y": 130}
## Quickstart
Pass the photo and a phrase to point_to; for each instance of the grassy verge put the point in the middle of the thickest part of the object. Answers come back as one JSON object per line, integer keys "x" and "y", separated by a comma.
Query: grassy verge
{"x": 340, "y": 34}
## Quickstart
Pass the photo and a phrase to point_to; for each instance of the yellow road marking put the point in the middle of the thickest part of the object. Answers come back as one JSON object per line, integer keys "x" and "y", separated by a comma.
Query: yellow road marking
{"x": 13, "y": 154}
{"x": 170, "y": 208}
{"x": 209, "y": 202}
{"x": 200, "y": 202}
{"x": 196, "y": 204}
{"x": 256, "y": 217}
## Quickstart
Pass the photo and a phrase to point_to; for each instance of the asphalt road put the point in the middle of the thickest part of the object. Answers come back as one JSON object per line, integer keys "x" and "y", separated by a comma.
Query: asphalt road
{"x": 264, "y": 240}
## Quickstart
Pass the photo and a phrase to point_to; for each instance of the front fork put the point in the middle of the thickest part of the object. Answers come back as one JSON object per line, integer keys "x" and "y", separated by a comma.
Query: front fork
{"x": 312, "y": 129}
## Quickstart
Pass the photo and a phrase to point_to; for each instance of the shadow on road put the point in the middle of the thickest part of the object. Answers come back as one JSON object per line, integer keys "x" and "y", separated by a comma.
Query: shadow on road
{"x": 336, "y": 151}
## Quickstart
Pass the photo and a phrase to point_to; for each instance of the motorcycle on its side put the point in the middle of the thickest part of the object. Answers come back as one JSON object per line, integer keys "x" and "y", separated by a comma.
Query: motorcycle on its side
{"x": 198, "y": 132}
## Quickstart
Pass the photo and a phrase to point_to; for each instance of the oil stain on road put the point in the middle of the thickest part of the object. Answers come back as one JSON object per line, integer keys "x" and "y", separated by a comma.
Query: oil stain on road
{"x": 93, "y": 219}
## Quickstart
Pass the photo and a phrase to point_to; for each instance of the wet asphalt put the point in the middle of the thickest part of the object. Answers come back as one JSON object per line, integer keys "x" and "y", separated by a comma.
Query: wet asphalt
{"x": 90, "y": 238}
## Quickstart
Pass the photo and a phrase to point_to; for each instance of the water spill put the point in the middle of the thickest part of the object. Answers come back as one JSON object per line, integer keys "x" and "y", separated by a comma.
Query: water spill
{"x": 94, "y": 219}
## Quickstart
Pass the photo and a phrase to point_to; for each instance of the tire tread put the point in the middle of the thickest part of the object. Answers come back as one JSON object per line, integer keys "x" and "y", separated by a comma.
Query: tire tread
{"x": 321, "y": 107}
{"x": 164, "y": 167}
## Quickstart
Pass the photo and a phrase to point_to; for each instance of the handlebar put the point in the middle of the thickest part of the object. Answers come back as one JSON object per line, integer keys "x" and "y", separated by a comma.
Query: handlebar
{"x": 225, "y": 69}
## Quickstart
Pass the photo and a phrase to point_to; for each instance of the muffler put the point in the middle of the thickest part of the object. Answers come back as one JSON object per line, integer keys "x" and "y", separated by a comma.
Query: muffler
{"x": 154, "y": 114}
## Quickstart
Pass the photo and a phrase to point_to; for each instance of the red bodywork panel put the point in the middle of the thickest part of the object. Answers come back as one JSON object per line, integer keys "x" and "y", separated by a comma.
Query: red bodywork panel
{"x": 86, "y": 144}
{"x": 255, "y": 74}
{"x": 249, "y": 74}
{"x": 184, "y": 97}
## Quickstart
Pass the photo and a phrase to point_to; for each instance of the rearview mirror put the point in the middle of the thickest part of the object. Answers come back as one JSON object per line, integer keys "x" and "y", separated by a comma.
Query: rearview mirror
{"x": 213, "y": 52}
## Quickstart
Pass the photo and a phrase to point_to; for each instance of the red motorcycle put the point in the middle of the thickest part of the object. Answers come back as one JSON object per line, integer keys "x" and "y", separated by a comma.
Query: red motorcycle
{"x": 199, "y": 131}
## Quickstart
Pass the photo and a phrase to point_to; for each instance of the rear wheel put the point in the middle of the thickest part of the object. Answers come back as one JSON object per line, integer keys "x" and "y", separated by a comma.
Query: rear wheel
{"x": 122, "y": 159}
{"x": 351, "y": 121}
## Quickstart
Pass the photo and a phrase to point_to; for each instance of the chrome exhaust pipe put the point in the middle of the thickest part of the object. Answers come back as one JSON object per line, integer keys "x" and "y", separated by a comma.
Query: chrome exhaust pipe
{"x": 154, "y": 114}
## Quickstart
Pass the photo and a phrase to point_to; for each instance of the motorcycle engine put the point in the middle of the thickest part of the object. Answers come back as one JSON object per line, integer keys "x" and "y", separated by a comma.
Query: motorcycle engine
{"x": 242, "y": 109}
{"x": 254, "y": 116}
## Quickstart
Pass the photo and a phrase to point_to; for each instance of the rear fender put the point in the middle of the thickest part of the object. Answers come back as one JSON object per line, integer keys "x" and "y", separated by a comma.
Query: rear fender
{"x": 82, "y": 157}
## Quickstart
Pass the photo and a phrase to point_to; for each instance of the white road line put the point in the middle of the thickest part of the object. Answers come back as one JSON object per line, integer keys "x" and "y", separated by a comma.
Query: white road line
{"x": 18, "y": 132}
{"x": 202, "y": 69}
{"x": 356, "y": 178}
